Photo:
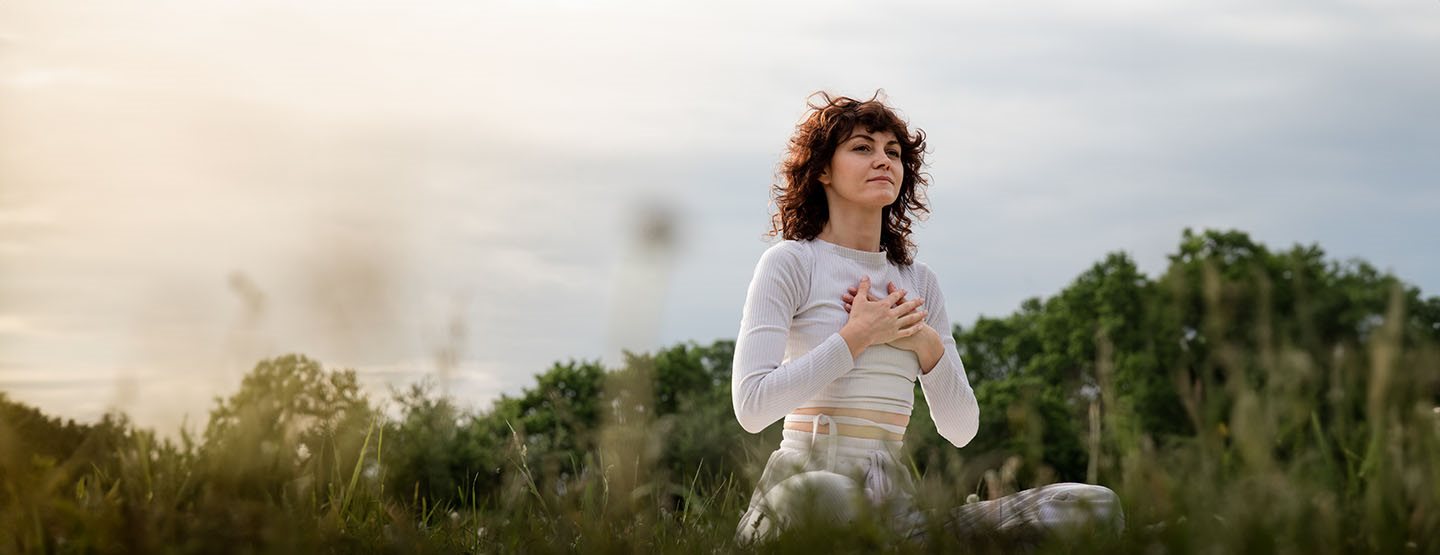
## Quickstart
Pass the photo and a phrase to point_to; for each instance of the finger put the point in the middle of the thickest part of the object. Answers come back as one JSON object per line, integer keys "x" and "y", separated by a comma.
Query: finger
{"x": 847, "y": 298}
{"x": 912, "y": 318}
{"x": 892, "y": 288}
{"x": 909, "y": 305}
{"x": 893, "y": 298}
{"x": 847, "y": 308}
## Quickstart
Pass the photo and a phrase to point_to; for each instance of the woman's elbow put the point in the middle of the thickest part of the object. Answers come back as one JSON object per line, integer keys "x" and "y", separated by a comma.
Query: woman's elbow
{"x": 961, "y": 437}
{"x": 751, "y": 424}
{"x": 750, "y": 419}
{"x": 961, "y": 433}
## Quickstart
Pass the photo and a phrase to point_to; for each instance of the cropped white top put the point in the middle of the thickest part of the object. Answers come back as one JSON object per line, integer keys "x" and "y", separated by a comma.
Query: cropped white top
{"x": 789, "y": 353}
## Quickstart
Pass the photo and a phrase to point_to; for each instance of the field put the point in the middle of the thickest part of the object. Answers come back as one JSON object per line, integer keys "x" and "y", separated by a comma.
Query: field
{"x": 1246, "y": 401}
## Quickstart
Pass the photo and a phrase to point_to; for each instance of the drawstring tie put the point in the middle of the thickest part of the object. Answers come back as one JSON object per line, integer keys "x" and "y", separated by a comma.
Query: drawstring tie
{"x": 833, "y": 433}
{"x": 877, "y": 481}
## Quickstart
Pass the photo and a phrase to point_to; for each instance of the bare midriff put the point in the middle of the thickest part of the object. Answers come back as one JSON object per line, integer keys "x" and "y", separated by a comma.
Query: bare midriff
{"x": 853, "y": 430}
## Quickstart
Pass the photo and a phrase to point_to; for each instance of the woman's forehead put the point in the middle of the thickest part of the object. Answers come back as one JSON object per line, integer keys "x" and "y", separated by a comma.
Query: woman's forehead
{"x": 878, "y": 135}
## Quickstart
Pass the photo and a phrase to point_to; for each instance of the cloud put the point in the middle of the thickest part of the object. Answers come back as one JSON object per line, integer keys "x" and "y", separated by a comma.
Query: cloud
{"x": 17, "y": 326}
{"x": 395, "y": 173}
{"x": 54, "y": 77}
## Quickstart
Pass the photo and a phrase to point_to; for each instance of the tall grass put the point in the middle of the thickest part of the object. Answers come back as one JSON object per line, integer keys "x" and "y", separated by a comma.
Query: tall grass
{"x": 1292, "y": 453}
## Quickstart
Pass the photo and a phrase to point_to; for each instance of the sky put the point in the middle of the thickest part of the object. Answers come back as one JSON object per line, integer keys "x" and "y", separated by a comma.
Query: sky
{"x": 460, "y": 191}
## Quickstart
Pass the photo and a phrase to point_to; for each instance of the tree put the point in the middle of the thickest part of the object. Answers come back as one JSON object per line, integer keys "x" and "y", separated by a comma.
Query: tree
{"x": 289, "y": 415}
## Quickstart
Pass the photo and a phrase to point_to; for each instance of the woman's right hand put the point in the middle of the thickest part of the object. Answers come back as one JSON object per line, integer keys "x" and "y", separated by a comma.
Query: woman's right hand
{"x": 876, "y": 321}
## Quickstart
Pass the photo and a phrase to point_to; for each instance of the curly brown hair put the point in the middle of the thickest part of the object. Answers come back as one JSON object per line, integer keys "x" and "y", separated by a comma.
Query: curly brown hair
{"x": 803, "y": 209}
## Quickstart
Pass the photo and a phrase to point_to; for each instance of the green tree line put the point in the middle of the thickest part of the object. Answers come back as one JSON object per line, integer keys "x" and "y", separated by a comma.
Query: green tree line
{"x": 1238, "y": 372}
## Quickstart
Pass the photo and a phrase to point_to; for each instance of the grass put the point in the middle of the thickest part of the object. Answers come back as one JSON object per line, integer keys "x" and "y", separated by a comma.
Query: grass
{"x": 1323, "y": 455}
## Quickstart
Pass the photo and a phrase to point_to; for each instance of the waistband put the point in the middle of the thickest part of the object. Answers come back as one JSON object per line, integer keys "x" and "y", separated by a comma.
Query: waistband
{"x": 834, "y": 444}
{"x": 822, "y": 418}
{"x": 797, "y": 440}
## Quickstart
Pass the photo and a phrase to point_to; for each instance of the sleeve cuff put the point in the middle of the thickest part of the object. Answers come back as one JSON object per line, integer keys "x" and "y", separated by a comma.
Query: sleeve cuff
{"x": 837, "y": 352}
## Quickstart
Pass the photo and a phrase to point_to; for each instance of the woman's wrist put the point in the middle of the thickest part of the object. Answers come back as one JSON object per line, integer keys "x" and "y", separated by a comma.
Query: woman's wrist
{"x": 854, "y": 340}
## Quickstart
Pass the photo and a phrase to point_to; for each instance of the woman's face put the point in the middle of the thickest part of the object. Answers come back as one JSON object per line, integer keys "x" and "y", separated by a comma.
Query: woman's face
{"x": 865, "y": 169}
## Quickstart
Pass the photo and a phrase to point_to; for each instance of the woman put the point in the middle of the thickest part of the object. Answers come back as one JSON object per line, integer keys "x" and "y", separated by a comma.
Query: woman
{"x": 828, "y": 348}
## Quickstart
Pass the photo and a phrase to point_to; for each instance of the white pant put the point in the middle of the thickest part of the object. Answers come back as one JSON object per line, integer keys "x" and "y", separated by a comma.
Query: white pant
{"x": 832, "y": 470}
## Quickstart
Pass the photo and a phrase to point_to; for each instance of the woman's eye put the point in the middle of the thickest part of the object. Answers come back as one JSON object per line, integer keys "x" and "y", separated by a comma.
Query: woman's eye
{"x": 895, "y": 153}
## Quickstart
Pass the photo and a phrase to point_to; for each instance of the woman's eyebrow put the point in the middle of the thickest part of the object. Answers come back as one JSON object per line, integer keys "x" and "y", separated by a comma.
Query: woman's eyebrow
{"x": 871, "y": 139}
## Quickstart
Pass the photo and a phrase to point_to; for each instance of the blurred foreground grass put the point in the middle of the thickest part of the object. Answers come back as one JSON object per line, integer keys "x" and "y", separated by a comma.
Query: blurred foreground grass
{"x": 1244, "y": 402}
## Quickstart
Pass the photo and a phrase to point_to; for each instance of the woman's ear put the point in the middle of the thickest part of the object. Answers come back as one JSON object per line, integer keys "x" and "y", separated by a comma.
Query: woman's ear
{"x": 824, "y": 177}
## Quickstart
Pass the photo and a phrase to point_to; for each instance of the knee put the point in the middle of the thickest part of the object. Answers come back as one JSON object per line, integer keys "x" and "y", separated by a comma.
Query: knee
{"x": 1099, "y": 495}
{"x": 815, "y": 489}
{"x": 1102, "y": 504}
{"x": 816, "y": 495}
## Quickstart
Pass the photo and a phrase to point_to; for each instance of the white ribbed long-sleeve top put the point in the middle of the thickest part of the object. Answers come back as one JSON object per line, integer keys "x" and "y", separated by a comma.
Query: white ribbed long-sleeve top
{"x": 789, "y": 353}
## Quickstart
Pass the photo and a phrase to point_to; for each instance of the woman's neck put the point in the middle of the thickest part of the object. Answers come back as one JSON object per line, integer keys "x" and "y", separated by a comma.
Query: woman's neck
{"x": 853, "y": 229}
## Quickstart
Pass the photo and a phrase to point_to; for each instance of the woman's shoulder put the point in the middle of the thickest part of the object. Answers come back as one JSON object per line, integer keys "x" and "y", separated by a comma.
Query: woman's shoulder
{"x": 788, "y": 263}
{"x": 787, "y": 253}
{"x": 921, "y": 274}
